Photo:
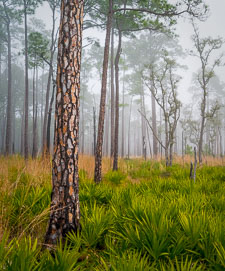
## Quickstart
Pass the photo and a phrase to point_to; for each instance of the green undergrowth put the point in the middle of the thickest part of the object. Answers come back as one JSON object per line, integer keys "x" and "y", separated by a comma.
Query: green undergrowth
{"x": 145, "y": 218}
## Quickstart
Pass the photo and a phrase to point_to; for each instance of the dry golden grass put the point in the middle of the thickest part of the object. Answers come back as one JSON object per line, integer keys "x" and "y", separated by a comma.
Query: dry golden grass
{"x": 40, "y": 168}
{"x": 207, "y": 160}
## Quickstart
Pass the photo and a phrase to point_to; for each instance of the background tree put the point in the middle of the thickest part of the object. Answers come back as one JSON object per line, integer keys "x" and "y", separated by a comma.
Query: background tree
{"x": 164, "y": 89}
{"x": 203, "y": 50}
{"x": 54, "y": 5}
{"x": 98, "y": 154}
{"x": 8, "y": 16}
{"x": 37, "y": 51}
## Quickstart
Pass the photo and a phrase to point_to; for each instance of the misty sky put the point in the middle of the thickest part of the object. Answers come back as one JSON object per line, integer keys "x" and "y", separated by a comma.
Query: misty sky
{"x": 213, "y": 26}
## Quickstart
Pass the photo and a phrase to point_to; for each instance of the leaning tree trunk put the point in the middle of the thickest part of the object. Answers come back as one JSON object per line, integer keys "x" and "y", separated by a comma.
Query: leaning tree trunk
{"x": 98, "y": 154}
{"x": 116, "y": 137}
{"x": 8, "y": 145}
{"x": 65, "y": 207}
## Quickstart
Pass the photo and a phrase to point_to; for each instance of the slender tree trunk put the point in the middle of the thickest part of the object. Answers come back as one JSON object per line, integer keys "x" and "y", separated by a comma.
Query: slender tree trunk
{"x": 123, "y": 128}
{"x": 106, "y": 127}
{"x": 98, "y": 154}
{"x": 218, "y": 142}
{"x": 34, "y": 149}
{"x": 112, "y": 95}
{"x": 22, "y": 133}
{"x": 36, "y": 117}
{"x": 154, "y": 126}
{"x": 182, "y": 144}
{"x": 94, "y": 126}
{"x": 26, "y": 143}
{"x": 171, "y": 154}
{"x": 128, "y": 141}
{"x": 8, "y": 144}
{"x": 42, "y": 101}
{"x": 82, "y": 124}
{"x": 49, "y": 120}
{"x": 44, "y": 135}
{"x": 149, "y": 143}
{"x": 3, "y": 133}
{"x": 166, "y": 142}
{"x": 143, "y": 123}
{"x": 200, "y": 145}
{"x": 116, "y": 137}
{"x": 65, "y": 207}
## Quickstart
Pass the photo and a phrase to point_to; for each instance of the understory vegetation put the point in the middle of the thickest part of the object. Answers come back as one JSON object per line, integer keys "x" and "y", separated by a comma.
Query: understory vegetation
{"x": 143, "y": 217}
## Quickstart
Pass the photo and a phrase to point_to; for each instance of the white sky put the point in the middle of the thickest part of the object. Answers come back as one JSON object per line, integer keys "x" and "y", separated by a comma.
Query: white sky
{"x": 213, "y": 26}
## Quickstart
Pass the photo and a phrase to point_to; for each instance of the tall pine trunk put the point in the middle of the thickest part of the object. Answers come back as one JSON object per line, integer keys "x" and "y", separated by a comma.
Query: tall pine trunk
{"x": 65, "y": 206}
{"x": 129, "y": 134}
{"x": 154, "y": 127}
{"x": 34, "y": 149}
{"x": 98, "y": 154}
{"x": 26, "y": 98}
{"x": 8, "y": 145}
{"x": 112, "y": 95}
{"x": 116, "y": 137}
{"x": 123, "y": 120}
{"x": 94, "y": 130}
{"x": 49, "y": 120}
{"x": 22, "y": 132}
{"x": 44, "y": 131}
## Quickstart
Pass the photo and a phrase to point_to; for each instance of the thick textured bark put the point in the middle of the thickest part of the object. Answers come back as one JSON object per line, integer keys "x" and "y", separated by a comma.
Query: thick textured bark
{"x": 65, "y": 207}
{"x": 116, "y": 137}
{"x": 98, "y": 154}
{"x": 26, "y": 143}
{"x": 8, "y": 145}
{"x": 112, "y": 94}
{"x": 52, "y": 50}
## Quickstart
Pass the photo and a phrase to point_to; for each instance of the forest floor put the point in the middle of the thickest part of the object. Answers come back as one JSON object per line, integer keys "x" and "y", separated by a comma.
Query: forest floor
{"x": 143, "y": 217}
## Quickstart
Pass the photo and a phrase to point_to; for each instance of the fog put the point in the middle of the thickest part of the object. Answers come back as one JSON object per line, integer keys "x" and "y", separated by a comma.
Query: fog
{"x": 136, "y": 118}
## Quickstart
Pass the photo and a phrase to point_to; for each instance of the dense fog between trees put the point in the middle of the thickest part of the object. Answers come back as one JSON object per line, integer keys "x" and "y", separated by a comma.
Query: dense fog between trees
{"x": 160, "y": 112}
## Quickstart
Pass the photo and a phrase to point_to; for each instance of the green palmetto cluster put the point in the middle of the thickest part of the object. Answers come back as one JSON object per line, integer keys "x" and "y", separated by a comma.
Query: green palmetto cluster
{"x": 153, "y": 218}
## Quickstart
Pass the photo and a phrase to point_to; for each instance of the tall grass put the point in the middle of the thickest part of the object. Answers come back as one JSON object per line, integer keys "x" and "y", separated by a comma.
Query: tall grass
{"x": 144, "y": 217}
